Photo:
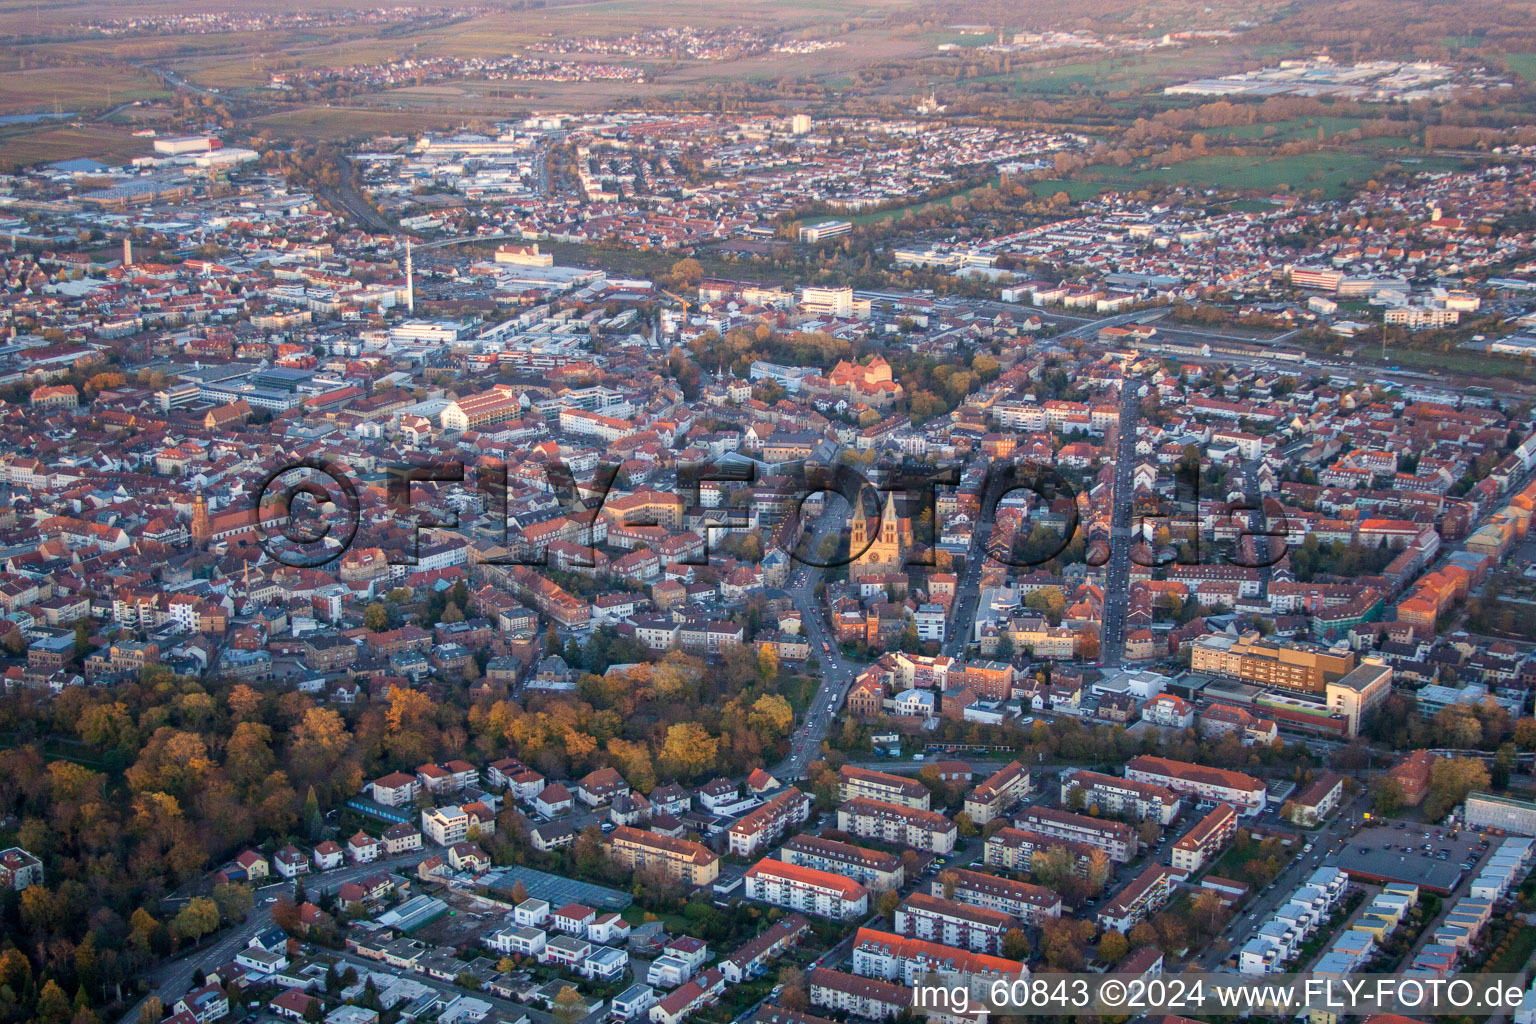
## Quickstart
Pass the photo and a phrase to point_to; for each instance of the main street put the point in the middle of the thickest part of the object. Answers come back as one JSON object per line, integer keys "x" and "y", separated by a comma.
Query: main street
{"x": 1117, "y": 572}
{"x": 837, "y": 672}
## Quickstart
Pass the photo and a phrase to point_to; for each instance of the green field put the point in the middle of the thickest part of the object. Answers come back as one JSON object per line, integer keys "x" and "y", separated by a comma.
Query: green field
{"x": 1303, "y": 172}
{"x": 875, "y": 216}
{"x": 1075, "y": 190}
{"x": 1522, "y": 64}
{"x": 1285, "y": 131}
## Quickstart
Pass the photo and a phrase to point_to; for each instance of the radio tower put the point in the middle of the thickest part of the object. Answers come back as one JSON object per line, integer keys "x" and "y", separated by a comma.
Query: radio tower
{"x": 410, "y": 281}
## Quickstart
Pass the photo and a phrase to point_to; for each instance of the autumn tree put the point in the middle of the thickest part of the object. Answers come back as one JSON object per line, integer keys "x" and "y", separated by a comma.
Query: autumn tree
{"x": 689, "y": 750}
{"x": 1015, "y": 945}
{"x": 568, "y": 1007}
{"x": 1112, "y": 947}
{"x": 794, "y": 994}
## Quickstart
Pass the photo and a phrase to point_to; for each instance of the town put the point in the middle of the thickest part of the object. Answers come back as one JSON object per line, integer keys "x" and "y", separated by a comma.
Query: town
{"x": 735, "y": 562}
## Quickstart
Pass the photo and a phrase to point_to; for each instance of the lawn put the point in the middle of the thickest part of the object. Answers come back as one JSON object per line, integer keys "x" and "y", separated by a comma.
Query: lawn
{"x": 334, "y": 123}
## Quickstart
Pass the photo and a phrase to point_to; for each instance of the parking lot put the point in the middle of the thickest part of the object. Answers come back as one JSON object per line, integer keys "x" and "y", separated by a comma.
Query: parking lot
{"x": 1397, "y": 851}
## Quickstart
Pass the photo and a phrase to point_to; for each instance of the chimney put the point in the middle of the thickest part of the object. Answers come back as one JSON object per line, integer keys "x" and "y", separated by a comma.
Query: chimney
{"x": 410, "y": 281}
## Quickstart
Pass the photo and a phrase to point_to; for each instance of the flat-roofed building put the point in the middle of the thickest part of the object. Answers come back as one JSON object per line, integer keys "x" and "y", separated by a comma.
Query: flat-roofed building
{"x": 1290, "y": 665}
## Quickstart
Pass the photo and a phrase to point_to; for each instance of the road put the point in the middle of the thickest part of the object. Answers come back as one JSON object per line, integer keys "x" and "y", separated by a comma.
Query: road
{"x": 1325, "y": 844}
{"x": 171, "y": 979}
{"x": 837, "y": 672}
{"x": 1117, "y": 572}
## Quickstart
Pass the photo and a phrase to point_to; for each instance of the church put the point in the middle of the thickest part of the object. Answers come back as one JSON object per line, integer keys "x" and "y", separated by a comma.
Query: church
{"x": 888, "y": 552}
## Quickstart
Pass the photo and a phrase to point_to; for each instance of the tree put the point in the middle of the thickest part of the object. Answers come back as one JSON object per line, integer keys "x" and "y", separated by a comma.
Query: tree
{"x": 1387, "y": 796}
{"x": 687, "y": 272}
{"x": 233, "y": 901}
{"x": 1450, "y": 780}
{"x": 689, "y": 750}
{"x": 889, "y": 901}
{"x": 568, "y": 1006}
{"x": 151, "y": 1011}
{"x": 794, "y": 995}
{"x": 52, "y": 1005}
{"x": 1015, "y": 944}
{"x": 314, "y": 824}
{"x": 519, "y": 893}
{"x": 198, "y": 918}
{"x": 1112, "y": 947}
{"x": 376, "y": 617}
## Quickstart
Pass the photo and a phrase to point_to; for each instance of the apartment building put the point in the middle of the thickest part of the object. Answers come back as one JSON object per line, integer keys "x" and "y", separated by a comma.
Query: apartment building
{"x": 1139, "y": 900}
{"x": 854, "y": 783}
{"x": 1208, "y": 838}
{"x": 1317, "y": 801}
{"x": 1144, "y": 801}
{"x": 1115, "y": 838}
{"x": 891, "y": 957}
{"x": 1203, "y": 784}
{"x": 445, "y": 825}
{"x": 396, "y": 789}
{"x": 19, "y": 869}
{"x": 681, "y": 859}
{"x": 1358, "y": 693}
{"x": 1029, "y": 903}
{"x": 952, "y": 923}
{"x": 876, "y": 870}
{"x": 865, "y": 998}
{"x": 762, "y": 828}
{"x": 921, "y": 830}
{"x": 806, "y": 890}
{"x": 998, "y": 794}
{"x": 1014, "y": 849}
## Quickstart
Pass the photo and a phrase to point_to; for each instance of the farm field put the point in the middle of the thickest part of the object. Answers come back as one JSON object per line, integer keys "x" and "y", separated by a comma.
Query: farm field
{"x": 83, "y": 88}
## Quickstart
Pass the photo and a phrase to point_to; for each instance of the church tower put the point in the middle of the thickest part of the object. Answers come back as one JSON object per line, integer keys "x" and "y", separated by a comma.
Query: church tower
{"x": 892, "y": 541}
{"x": 202, "y": 529}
